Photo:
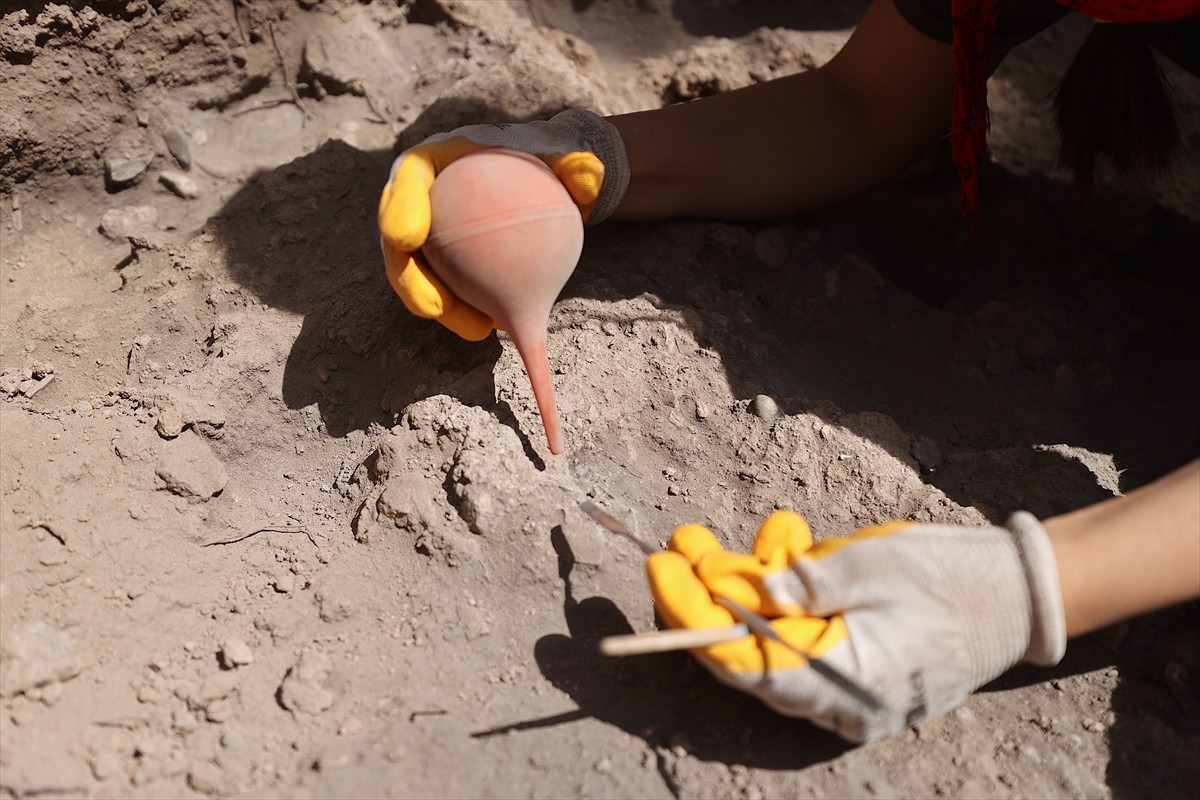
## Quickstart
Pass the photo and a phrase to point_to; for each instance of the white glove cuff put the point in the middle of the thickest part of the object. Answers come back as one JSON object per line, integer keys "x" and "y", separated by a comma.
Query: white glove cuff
{"x": 603, "y": 139}
{"x": 1048, "y": 635}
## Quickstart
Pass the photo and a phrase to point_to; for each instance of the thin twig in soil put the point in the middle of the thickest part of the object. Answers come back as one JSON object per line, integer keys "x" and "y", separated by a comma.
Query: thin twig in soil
{"x": 292, "y": 87}
{"x": 432, "y": 712}
{"x": 31, "y": 791}
{"x": 127, "y": 723}
{"x": 48, "y": 528}
{"x": 287, "y": 78}
{"x": 264, "y": 105}
{"x": 238, "y": 21}
{"x": 381, "y": 119}
{"x": 246, "y": 536}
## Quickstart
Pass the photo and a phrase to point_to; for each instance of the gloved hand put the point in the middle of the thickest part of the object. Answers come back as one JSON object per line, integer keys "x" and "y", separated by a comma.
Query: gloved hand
{"x": 920, "y": 615}
{"x": 583, "y": 149}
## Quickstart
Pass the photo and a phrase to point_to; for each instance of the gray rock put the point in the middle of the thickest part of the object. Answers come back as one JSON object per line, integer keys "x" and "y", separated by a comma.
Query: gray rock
{"x": 180, "y": 184}
{"x": 170, "y": 422}
{"x": 178, "y": 147}
{"x": 235, "y": 653}
{"x": 188, "y": 468}
{"x": 34, "y": 654}
{"x": 123, "y": 172}
{"x": 764, "y": 407}
{"x": 121, "y": 223}
{"x": 303, "y": 690}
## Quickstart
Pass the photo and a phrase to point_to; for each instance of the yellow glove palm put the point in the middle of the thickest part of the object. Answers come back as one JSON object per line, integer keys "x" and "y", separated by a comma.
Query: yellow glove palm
{"x": 695, "y": 569}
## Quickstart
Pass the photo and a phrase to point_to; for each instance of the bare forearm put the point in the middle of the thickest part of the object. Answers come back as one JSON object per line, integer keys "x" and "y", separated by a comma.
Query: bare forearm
{"x": 751, "y": 153}
{"x": 1131, "y": 554}
{"x": 796, "y": 143}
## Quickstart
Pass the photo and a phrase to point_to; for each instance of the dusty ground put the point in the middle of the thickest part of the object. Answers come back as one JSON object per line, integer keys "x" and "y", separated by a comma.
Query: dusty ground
{"x": 264, "y": 534}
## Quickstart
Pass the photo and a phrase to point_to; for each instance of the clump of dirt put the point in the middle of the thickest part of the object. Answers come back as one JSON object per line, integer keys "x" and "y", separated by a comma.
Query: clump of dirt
{"x": 264, "y": 533}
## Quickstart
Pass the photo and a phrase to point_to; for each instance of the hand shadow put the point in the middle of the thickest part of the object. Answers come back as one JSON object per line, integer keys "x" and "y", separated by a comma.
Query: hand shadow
{"x": 302, "y": 237}
{"x": 666, "y": 699}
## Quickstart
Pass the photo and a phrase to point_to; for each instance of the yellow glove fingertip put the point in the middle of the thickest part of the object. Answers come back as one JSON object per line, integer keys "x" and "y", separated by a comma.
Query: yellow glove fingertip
{"x": 422, "y": 293}
{"x": 582, "y": 173}
{"x": 680, "y": 597}
{"x": 467, "y": 321}
{"x": 736, "y": 576}
{"x": 693, "y": 542}
{"x": 404, "y": 214}
{"x": 783, "y": 537}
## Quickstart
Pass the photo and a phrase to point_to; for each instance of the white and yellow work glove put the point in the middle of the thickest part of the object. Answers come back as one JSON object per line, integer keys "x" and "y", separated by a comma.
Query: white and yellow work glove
{"x": 919, "y": 615}
{"x": 584, "y": 150}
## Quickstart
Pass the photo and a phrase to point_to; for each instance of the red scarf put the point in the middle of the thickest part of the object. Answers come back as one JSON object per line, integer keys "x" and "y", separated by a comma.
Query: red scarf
{"x": 974, "y": 21}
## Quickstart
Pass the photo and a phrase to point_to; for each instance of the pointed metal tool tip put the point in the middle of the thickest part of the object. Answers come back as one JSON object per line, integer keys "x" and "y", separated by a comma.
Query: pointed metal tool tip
{"x": 613, "y": 524}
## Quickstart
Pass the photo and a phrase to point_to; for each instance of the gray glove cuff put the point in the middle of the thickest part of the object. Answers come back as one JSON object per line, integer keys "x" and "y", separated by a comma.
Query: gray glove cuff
{"x": 603, "y": 139}
{"x": 1048, "y": 635}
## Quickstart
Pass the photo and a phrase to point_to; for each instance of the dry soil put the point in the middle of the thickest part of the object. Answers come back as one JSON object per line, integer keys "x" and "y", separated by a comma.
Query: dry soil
{"x": 264, "y": 534}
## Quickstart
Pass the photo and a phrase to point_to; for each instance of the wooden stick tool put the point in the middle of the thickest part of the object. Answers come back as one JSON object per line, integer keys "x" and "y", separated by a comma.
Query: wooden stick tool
{"x": 636, "y": 644}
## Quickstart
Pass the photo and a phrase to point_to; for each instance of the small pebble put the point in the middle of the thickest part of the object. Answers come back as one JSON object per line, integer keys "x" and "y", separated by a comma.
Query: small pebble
{"x": 179, "y": 183}
{"x": 120, "y": 223}
{"x": 151, "y": 695}
{"x": 177, "y": 145}
{"x": 206, "y": 778}
{"x": 183, "y": 721}
{"x": 235, "y": 653}
{"x": 218, "y": 711}
{"x": 122, "y": 172}
{"x": 764, "y": 407}
{"x": 107, "y": 765}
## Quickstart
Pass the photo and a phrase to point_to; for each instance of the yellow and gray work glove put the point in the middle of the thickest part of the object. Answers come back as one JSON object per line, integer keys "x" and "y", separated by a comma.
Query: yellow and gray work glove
{"x": 919, "y": 615}
{"x": 584, "y": 150}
